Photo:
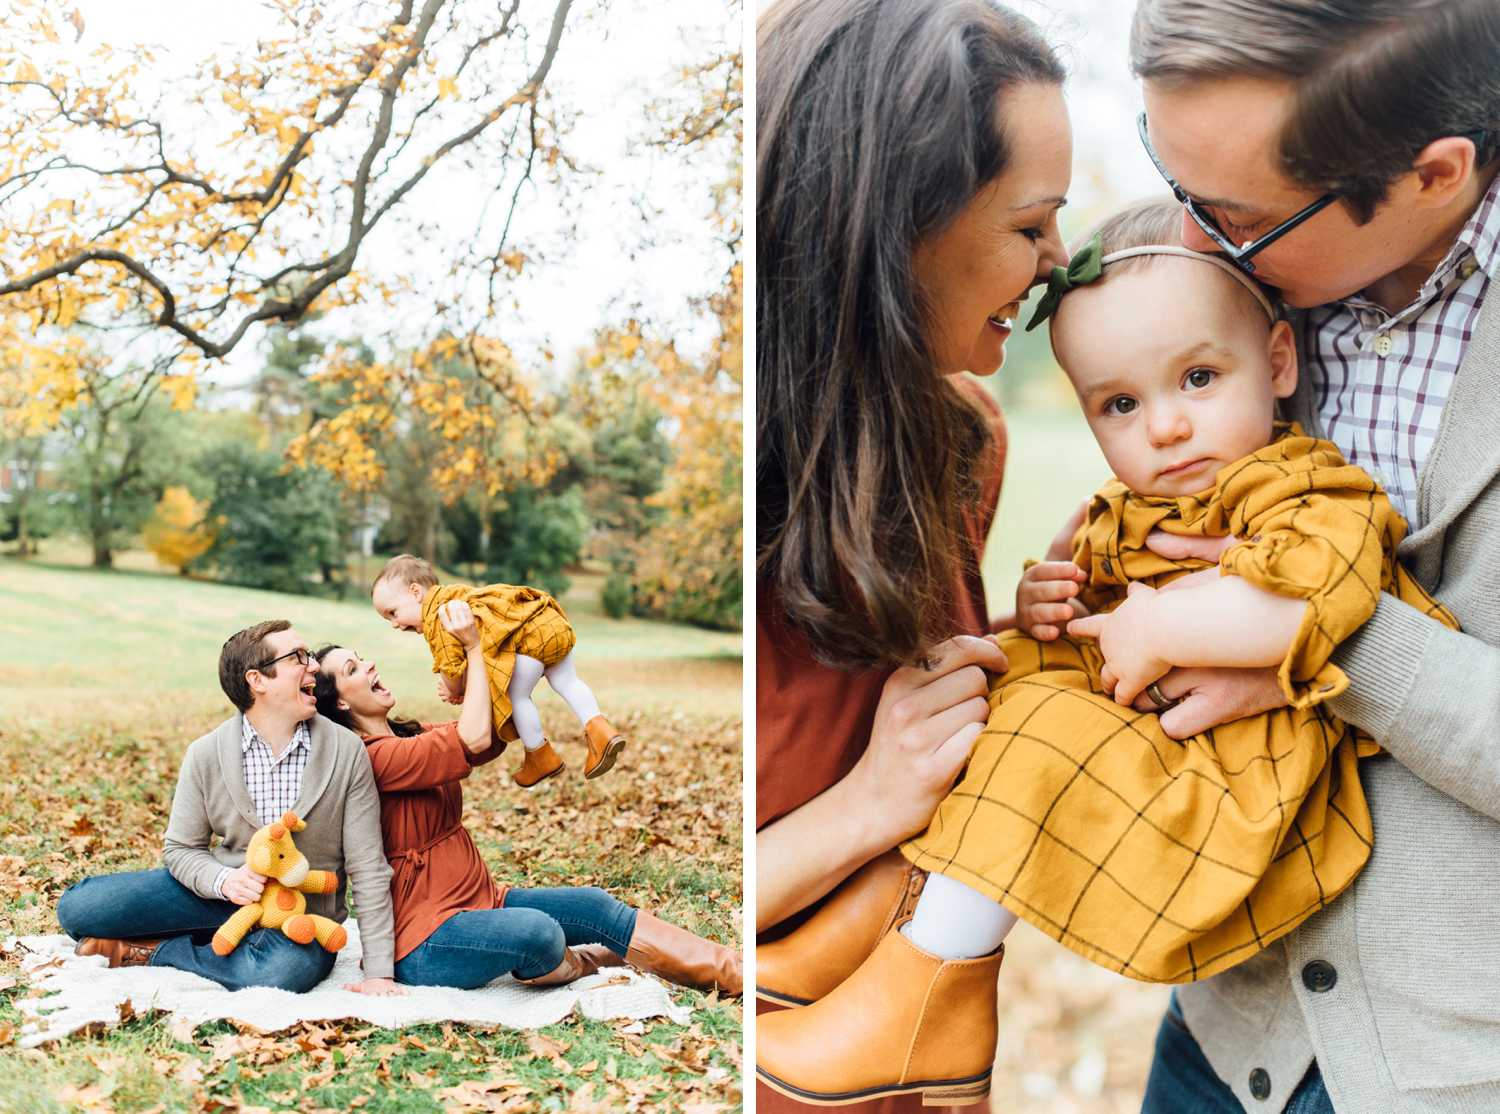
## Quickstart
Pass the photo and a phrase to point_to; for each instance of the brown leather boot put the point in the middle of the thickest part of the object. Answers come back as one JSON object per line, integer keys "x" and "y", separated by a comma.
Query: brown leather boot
{"x": 822, "y": 952}
{"x": 576, "y": 963}
{"x": 906, "y": 1022}
{"x": 683, "y": 958}
{"x": 538, "y": 765}
{"x": 605, "y": 745}
{"x": 120, "y": 953}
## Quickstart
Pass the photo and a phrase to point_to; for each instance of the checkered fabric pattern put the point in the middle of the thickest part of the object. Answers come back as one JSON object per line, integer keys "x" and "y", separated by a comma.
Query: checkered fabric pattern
{"x": 512, "y": 620}
{"x": 1380, "y": 380}
{"x": 1170, "y": 861}
{"x": 274, "y": 782}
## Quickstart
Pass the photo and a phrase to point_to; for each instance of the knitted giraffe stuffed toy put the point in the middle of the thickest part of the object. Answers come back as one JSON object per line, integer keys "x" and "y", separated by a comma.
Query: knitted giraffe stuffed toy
{"x": 281, "y": 905}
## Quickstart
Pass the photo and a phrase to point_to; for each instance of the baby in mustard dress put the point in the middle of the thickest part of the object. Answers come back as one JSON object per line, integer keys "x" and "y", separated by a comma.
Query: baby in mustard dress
{"x": 523, "y": 637}
{"x": 1160, "y": 859}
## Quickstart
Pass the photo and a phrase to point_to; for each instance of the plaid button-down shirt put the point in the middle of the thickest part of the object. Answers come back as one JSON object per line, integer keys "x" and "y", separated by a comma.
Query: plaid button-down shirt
{"x": 273, "y": 781}
{"x": 1382, "y": 379}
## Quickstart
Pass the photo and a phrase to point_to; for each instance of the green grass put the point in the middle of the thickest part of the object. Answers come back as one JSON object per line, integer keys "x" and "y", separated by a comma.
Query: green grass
{"x": 1051, "y": 464}
{"x": 105, "y": 677}
{"x": 67, "y": 633}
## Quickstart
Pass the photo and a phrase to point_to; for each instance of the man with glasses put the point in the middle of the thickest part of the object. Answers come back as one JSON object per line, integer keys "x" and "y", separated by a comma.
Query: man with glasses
{"x": 275, "y": 755}
{"x": 1344, "y": 153}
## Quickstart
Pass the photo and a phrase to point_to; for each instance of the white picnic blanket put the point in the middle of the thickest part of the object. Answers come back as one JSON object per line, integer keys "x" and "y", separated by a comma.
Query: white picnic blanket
{"x": 81, "y": 991}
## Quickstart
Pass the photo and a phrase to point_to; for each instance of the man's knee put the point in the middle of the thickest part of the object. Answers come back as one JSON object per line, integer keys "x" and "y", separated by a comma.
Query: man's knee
{"x": 285, "y": 965}
{"x": 75, "y": 909}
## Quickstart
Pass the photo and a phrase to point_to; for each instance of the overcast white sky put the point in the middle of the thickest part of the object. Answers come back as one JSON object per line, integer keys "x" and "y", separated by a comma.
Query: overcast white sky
{"x": 608, "y": 66}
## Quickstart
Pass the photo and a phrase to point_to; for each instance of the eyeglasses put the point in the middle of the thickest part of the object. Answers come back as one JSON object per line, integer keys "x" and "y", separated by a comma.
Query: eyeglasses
{"x": 302, "y": 656}
{"x": 1239, "y": 254}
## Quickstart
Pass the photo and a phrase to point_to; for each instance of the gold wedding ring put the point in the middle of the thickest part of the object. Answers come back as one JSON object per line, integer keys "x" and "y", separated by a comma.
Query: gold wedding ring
{"x": 1161, "y": 702}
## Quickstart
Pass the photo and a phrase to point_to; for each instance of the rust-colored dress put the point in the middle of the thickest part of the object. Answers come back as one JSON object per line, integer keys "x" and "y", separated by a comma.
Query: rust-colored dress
{"x": 813, "y": 722}
{"x": 438, "y": 870}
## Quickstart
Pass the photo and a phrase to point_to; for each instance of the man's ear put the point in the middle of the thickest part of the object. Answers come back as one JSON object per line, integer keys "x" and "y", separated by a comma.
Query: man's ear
{"x": 1443, "y": 168}
{"x": 256, "y": 680}
{"x": 1282, "y": 349}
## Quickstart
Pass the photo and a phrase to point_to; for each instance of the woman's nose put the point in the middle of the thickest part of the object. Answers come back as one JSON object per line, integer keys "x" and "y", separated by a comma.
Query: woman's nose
{"x": 1054, "y": 253}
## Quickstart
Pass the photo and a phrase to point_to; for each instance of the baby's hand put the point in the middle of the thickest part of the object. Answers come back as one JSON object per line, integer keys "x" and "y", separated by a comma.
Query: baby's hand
{"x": 1044, "y": 598}
{"x": 1125, "y": 635}
{"x": 450, "y": 692}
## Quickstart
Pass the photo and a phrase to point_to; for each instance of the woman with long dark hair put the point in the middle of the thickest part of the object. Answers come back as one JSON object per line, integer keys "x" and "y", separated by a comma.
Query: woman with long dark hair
{"x": 454, "y": 925}
{"x": 912, "y": 156}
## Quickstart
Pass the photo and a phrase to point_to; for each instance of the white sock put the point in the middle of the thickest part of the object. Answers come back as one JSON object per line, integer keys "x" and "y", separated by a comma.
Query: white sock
{"x": 953, "y": 921}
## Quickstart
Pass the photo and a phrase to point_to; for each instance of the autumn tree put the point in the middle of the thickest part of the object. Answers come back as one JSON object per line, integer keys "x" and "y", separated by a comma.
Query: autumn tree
{"x": 178, "y": 532}
{"x": 690, "y": 565}
{"x": 247, "y": 194}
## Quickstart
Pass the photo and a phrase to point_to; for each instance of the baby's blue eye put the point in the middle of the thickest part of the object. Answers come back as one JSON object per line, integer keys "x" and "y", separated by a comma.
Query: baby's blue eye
{"x": 1121, "y": 405}
{"x": 1200, "y": 377}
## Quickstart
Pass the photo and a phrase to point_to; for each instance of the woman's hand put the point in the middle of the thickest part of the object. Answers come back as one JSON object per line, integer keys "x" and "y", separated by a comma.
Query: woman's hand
{"x": 458, "y": 621}
{"x": 925, "y": 726}
{"x": 1044, "y": 598}
{"x": 449, "y": 692}
{"x": 377, "y": 988}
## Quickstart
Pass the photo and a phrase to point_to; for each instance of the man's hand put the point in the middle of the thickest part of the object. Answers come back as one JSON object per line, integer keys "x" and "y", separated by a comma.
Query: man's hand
{"x": 1208, "y": 697}
{"x": 1174, "y": 547}
{"x": 378, "y": 988}
{"x": 458, "y": 621}
{"x": 1044, "y": 598}
{"x": 1127, "y": 639}
{"x": 243, "y": 886}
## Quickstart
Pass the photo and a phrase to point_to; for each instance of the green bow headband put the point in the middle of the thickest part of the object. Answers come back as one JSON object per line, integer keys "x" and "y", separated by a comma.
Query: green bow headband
{"x": 1085, "y": 267}
{"x": 1088, "y": 264}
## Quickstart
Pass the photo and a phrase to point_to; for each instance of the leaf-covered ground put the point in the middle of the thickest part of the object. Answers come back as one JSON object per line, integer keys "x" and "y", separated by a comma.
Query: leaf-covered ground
{"x": 86, "y": 777}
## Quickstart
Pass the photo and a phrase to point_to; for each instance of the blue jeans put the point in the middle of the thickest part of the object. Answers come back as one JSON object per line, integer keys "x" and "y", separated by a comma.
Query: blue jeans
{"x": 526, "y": 938}
{"x": 151, "y": 903}
{"x": 1182, "y": 1082}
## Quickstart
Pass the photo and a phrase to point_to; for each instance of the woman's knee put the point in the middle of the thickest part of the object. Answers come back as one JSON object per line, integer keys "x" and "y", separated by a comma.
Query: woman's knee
{"x": 537, "y": 936}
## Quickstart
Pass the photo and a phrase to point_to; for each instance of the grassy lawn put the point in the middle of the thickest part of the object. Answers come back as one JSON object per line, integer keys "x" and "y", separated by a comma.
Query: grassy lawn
{"x": 1051, "y": 465}
{"x": 105, "y": 678}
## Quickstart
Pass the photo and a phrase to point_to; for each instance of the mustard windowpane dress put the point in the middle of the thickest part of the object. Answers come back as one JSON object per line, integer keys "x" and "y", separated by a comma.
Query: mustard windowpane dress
{"x": 1170, "y": 861}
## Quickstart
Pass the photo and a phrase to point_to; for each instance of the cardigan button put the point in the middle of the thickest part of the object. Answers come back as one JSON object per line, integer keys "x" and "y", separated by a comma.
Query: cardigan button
{"x": 1319, "y": 976}
{"x": 1260, "y": 1083}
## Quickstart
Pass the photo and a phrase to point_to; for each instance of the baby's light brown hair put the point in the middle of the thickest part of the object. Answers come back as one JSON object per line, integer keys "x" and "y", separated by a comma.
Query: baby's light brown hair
{"x": 1145, "y": 223}
{"x": 407, "y": 569}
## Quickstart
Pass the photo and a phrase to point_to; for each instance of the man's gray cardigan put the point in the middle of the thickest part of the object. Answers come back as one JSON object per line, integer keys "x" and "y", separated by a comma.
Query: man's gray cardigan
{"x": 1412, "y": 1022}
{"x": 338, "y": 800}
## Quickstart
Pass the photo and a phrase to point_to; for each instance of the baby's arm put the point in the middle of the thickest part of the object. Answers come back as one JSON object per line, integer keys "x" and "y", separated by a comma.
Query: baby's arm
{"x": 1228, "y": 623}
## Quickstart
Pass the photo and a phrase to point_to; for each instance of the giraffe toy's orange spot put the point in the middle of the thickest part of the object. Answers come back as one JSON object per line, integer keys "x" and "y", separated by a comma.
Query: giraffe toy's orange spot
{"x": 300, "y": 928}
{"x": 285, "y": 899}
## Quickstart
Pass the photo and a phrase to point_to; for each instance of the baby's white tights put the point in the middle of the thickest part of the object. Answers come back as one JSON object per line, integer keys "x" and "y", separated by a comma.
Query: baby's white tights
{"x": 953, "y": 921}
{"x": 565, "y": 682}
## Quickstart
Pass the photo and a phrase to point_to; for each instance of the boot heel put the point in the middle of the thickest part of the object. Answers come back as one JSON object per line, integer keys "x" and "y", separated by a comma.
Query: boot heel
{"x": 959, "y": 1094}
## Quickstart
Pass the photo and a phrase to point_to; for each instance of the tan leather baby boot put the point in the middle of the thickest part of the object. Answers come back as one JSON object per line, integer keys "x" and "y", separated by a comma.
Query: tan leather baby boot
{"x": 605, "y": 745}
{"x": 906, "y": 1022}
{"x": 538, "y": 765}
{"x": 822, "y": 952}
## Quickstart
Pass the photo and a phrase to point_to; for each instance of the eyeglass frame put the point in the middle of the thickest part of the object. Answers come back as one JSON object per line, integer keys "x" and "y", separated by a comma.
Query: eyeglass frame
{"x": 301, "y": 653}
{"x": 1239, "y": 254}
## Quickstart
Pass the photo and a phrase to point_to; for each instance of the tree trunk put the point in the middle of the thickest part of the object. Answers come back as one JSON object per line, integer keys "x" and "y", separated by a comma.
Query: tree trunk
{"x": 104, "y": 557}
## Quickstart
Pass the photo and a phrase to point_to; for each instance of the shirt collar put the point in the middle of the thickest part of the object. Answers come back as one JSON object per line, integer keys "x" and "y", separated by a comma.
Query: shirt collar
{"x": 1479, "y": 238}
{"x": 301, "y": 737}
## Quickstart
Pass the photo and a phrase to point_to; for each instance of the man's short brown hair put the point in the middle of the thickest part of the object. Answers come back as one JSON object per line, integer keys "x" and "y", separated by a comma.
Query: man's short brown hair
{"x": 243, "y": 651}
{"x": 407, "y": 569}
{"x": 1375, "y": 81}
